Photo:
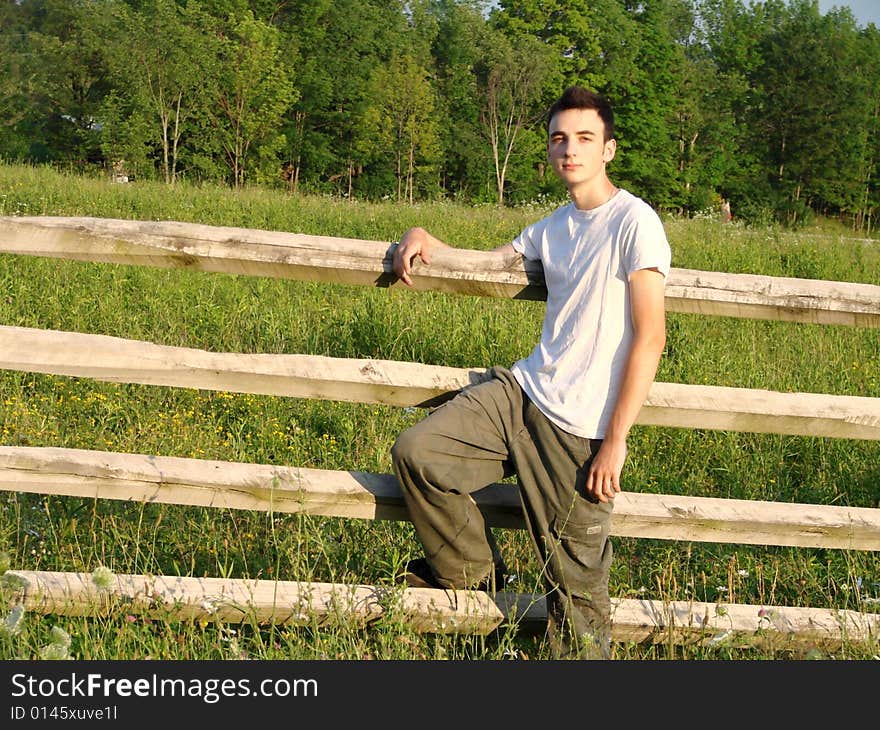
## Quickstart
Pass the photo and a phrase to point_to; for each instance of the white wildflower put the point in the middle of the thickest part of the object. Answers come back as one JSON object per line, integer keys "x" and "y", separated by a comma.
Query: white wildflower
{"x": 12, "y": 625}
{"x": 103, "y": 577}
{"x": 59, "y": 636}
{"x": 58, "y": 646}
{"x": 54, "y": 652}
{"x": 13, "y": 582}
{"x": 719, "y": 638}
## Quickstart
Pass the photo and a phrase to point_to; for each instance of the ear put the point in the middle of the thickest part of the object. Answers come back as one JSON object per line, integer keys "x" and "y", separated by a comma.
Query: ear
{"x": 610, "y": 150}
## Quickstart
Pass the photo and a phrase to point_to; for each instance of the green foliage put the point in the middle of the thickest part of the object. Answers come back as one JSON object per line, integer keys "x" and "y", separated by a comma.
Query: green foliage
{"x": 805, "y": 97}
{"x": 338, "y": 46}
{"x": 15, "y": 91}
{"x": 249, "y": 95}
{"x": 399, "y": 125}
{"x": 465, "y": 158}
{"x": 771, "y": 105}
{"x": 510, "y": 80}
{"x": 68, "y": 77}
{"x": 568, "y": 28}
{"x": 644, "y": 96}
{"x": 159, "y": 59}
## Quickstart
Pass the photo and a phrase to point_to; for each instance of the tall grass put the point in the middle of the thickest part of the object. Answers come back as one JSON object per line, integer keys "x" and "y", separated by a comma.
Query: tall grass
{"x": 247, "y": 314}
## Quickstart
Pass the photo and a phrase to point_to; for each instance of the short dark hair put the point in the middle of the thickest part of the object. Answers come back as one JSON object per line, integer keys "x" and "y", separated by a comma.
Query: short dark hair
{"x": 579, "y": 97}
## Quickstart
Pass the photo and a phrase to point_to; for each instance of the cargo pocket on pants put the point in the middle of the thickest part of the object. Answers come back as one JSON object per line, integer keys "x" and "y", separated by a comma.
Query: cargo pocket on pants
{"x": 583, "y": 550}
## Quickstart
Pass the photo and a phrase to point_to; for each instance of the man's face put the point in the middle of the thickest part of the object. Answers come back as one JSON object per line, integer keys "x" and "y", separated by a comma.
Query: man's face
{"x": 576, "y": 146}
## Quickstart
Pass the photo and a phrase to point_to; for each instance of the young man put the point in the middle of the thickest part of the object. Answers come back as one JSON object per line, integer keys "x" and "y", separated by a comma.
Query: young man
{"x": 559, "y": 418}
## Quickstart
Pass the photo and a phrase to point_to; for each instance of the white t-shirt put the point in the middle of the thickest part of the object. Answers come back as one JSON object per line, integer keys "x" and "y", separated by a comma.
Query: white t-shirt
{"x": 574, "y": 373}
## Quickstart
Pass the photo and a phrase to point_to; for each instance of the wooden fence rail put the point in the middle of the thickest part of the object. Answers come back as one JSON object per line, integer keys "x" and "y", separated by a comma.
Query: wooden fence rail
{"x": 429, "y": 610}
{"x": 364, "y": 495}
{"x": 170, "y": 244}
{"x": 173, "y": 480}
{"x": 411, "y": 384}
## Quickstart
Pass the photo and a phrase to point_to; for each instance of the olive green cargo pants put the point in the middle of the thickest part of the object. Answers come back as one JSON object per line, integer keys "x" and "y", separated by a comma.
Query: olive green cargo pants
{"x": 487, "y": 432}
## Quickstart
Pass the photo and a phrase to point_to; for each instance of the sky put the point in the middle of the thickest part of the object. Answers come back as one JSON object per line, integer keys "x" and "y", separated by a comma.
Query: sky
{"x": 864, "y": 11}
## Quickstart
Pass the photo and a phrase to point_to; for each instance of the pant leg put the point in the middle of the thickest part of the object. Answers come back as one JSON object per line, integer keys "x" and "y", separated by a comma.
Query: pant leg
{"x": 477, "y": 438}
{"x": 570, "y": 534}
{"x": 459, "y": 448}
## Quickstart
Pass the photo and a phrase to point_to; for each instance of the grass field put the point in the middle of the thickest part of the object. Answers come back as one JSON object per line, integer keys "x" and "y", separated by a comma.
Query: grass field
{"x": 246, "y": 314}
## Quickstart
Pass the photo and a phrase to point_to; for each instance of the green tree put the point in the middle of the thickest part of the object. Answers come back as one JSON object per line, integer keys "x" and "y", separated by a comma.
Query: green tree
{"x": 399, "y": 121}
{"x": 566, "y": 27}
{"x": 335, "y": 46}
{"x": 868, "y": 70}
{"x": 466, "y": 164}
{"x": 732, "y": 34}
{"x": 809, "y": 118}
{"x": 252, "y": 91}
{"x": 640, "y": 64}
{"x": 703, "y": 121}
{"x": 511, "y": 78}
{"x": 159, "y": 63}
{"x": 17, "y": 87}
{"x": 306, "y": 144}
{"x": 70, "y": 78}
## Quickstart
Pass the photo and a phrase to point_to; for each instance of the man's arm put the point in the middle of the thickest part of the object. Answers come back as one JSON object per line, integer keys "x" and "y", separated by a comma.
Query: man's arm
{"x": 647, "y": 306}
{"x": 417, "y": 242}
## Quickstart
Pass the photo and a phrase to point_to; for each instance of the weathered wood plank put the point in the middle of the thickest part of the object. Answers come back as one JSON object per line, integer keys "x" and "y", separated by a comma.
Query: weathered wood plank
{"x": 363, "y": 495}
{"x": 789, "y": 299}
{"x": 170, "y": 244}
{"x": 411, "y": 384}
{"x": 179, "y": 598}
{"x": 259, "y": 601}
{"x": 114, "y": 359}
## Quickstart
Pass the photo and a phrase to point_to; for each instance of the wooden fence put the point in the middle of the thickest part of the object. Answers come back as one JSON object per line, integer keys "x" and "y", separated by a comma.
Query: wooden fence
{"x": 157, "y": 478}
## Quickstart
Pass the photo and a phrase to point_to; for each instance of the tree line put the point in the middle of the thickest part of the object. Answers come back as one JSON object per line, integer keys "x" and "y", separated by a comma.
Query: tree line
{"x": 770, "y": 105}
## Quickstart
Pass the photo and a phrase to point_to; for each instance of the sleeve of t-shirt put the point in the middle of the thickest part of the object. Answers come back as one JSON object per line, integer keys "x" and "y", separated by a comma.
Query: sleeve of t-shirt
{"x": 647, "y": 245}
{"x": 526, "y": 243}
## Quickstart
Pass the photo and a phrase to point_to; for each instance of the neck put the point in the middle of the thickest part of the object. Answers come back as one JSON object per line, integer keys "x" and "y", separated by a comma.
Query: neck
{"x": 593, "y": 196}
